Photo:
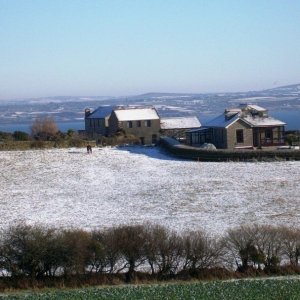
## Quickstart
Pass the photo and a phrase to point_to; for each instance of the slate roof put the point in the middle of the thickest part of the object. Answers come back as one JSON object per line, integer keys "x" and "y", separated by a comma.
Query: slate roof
{"x": 222, "y": 121}
{"x": 226, "y": 119}
{"x": 101, "y": 112}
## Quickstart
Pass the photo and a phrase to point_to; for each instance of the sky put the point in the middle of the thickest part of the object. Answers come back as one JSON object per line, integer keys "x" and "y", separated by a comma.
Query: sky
{"x": 130, "y": 47}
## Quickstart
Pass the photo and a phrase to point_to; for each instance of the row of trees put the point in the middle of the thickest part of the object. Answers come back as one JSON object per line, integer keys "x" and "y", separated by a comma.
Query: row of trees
{"x": 39, "y": 252}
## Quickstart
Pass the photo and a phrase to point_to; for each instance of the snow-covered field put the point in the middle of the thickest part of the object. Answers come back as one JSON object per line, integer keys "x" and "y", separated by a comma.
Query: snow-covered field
{"x": 68, "y": 187}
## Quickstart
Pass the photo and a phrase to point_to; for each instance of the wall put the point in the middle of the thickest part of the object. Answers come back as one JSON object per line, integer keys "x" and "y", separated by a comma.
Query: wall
{"x": 231, "y": 135}
{"x": 219, "y": 137}
{"x": 95, "y": 126}
{"x": 143, "y": 131}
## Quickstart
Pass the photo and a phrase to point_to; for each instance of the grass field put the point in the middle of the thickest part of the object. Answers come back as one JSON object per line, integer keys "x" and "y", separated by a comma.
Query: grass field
{"x": 277, "y": 289}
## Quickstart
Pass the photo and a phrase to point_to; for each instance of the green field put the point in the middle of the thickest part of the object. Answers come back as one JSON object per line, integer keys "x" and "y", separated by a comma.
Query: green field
{"x": 269, "y": 289}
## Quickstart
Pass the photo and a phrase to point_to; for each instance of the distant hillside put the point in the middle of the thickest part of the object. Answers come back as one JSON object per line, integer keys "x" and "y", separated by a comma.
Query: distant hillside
{"x": 293, "y": 88}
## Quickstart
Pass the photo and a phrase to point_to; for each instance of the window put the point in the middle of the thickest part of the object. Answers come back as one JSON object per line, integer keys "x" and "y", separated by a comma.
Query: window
{"x": 129, "y": 124}
{"x": 240, "y": 136}
{"x": 268, "y": 136}
{"x": 154, "y": 138}
{"x": 138, "y": 123}
{"x": 268, "y": 133}
{"x": 148, "y": 123}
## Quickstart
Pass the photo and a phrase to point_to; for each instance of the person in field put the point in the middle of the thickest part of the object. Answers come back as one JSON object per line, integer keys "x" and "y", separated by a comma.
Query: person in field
{"x": 89, "y": 149}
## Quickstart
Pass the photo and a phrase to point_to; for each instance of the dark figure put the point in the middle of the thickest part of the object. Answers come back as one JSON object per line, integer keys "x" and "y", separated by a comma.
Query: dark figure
{"x": 89, "y": 149}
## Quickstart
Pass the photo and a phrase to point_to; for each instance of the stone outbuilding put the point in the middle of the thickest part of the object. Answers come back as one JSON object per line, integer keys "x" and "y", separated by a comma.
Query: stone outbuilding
{"x": 177, "y": 127}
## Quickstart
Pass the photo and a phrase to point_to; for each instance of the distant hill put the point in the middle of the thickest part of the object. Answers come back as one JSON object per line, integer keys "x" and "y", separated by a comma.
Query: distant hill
{"x": 293, "y": 88}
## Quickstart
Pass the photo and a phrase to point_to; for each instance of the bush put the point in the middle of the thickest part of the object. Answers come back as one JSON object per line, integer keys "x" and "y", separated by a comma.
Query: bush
{"x": 5, "y": 136}
{"x": 26, "y": 250}
{"x": 21, "y": 136}
{"x": 38, "y": 144}
{"x": 200, "y": 252}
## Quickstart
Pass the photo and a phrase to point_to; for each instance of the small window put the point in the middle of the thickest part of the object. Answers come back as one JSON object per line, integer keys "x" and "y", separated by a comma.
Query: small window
{"x": 154, "y": 138}
{"x": 240, "y": 136}
{"x": 138, "y": 123}
{"x": 268, "y": 133}
{"x": 148, "y": 123}
{"x": 129, "y": 124}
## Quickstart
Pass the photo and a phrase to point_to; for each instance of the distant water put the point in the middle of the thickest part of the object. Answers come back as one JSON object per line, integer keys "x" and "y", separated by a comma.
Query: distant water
{"x": 292, "y": 118}
{"x": 63, "y": 126}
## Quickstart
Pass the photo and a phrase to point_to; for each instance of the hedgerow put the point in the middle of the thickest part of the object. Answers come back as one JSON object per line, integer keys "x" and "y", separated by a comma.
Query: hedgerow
{"x": 34, "y": 255}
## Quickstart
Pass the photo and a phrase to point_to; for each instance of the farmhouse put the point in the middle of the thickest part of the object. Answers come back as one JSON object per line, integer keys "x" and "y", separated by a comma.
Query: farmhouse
{"x": 246, "y": 127}
{"x": 142, "y": 122}
{"x": 177, "y": 127}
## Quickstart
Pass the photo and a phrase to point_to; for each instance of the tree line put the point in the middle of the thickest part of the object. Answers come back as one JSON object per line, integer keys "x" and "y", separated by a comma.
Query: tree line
{"x": 36, "y": 252}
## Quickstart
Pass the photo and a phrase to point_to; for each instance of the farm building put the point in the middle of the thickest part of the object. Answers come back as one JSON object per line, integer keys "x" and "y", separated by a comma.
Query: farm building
{"x": 142, "y": 122}
{"x": 96, "y": 122}
{"x": 246, "y": 127}
{"x": 178, "y": 126}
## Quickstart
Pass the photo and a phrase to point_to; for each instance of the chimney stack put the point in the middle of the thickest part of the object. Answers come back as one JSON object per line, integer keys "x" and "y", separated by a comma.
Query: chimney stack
{"x": 87, "y": 112}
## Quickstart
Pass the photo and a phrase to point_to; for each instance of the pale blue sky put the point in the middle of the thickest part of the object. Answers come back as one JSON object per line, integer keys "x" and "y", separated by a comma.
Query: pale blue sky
{"x": 114, "y": 47}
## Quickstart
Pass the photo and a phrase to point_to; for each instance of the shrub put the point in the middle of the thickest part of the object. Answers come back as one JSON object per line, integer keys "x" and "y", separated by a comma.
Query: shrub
{"x": 200, "y": 251}
{"x": 25, "y": 250}
{"x": 164, "y": 250}
{"x": 75, "y": 254}
{"x": 21, "y": 136}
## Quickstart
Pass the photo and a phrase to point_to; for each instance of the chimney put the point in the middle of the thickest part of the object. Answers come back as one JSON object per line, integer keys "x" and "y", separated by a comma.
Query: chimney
{"x": 87, "y": 112}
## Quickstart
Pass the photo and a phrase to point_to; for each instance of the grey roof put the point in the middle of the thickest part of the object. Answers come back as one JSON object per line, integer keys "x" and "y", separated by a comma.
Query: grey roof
{"x": 198, "y": 129}
{"x": 101, "y": 112}
{"x": 180, "y": 122}
{"x": 222, "y": 121}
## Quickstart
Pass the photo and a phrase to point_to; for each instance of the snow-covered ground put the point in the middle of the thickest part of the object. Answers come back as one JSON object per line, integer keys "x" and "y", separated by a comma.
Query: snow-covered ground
{"x": 68, "y": 187}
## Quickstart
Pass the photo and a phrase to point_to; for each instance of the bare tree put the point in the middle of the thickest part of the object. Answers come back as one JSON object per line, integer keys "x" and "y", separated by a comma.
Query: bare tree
{"x": 75, "y": 255}
{"x": 99, "y": 261}
{"x": 130, "y": 240}
{"x": 26, "y": 250}
{"x": 44, "y": 128}
{"x": 200, "y": 251}
{"x": 240, "y": 245}
{"x": 268, "y": 242}
{"x": 164, "y": 250}
{"x": 290, "y": 239}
